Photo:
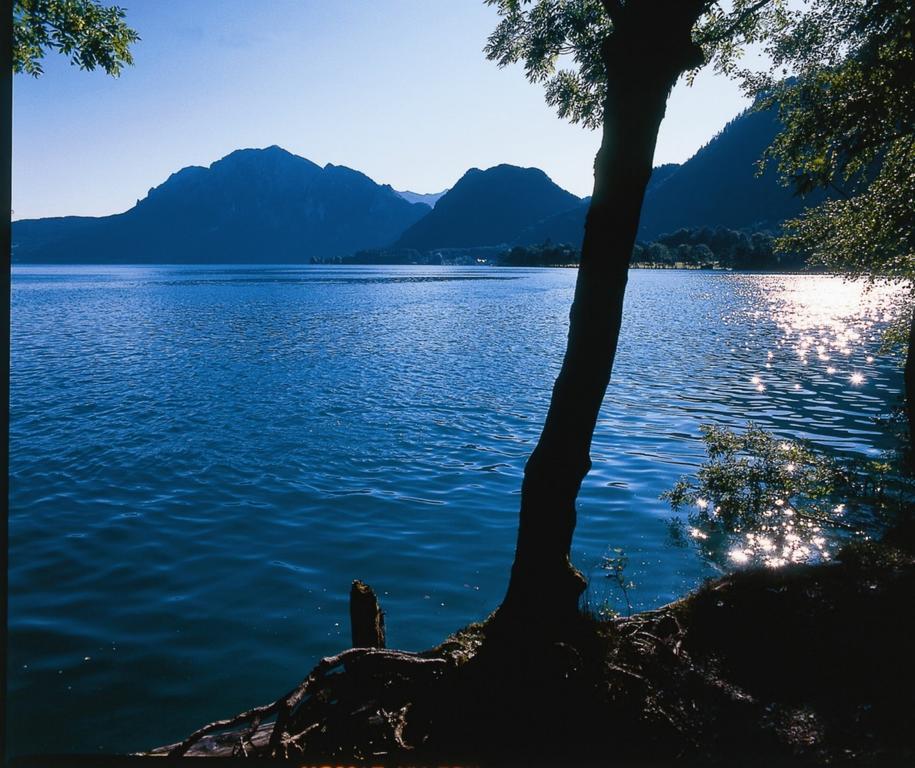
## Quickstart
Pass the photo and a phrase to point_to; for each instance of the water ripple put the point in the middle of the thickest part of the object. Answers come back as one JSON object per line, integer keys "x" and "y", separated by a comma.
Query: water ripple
{"x": 202, "y": 459}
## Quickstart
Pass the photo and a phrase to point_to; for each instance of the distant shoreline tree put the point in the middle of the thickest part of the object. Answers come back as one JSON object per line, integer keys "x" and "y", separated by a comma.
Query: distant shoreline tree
{"x": 720, "y": 247}
{"x": 699, "y": 248}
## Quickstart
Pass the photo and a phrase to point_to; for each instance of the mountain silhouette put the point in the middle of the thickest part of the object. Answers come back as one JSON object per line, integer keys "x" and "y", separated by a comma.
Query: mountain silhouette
{"x": 270, "y": 206}
{"x": 569, "y": 226}
{"x": 720, "y": 186}
{"x": 487, "y": 208}
{"x": 252, "y": 206}
{"x": 717, "y": 187}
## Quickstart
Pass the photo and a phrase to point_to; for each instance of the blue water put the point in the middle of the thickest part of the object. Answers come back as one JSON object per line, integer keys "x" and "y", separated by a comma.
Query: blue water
{"x": 203, "y": 458}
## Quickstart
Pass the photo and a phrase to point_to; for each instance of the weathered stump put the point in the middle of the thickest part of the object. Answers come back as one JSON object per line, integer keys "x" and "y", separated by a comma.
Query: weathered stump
{"x": 366, "y": 617}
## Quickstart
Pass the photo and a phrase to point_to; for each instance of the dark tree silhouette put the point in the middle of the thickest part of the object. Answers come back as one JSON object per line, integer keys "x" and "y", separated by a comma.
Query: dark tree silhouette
{"x": 629, "y": 53}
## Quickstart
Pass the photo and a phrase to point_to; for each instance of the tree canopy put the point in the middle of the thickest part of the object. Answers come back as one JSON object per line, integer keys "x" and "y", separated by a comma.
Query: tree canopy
{"x": 841, "y": 76}
{"x": 90, "y": 34}
{"x": 610, "y": 64}
{"x": 849, "y": 127}
{"x": 559, "y": 43}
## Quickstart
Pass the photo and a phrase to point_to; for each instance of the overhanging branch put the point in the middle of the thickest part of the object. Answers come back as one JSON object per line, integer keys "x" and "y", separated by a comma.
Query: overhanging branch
{"x": 741, "y": 18}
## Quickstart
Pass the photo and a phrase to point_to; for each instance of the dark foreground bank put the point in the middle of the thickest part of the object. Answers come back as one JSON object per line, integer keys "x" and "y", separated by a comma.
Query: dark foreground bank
{"x": 809, "y": 664}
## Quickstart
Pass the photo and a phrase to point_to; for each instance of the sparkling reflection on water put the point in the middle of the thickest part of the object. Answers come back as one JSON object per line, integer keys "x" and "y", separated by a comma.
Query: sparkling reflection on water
{"x": 203, "y": 458}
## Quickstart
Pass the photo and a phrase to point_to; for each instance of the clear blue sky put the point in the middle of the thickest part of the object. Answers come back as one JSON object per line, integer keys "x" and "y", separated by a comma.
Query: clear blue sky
{"x": 398, "y": 89}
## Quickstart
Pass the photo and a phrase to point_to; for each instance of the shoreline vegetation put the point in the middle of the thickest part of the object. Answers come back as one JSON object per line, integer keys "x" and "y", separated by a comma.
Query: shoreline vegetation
{"x": 704, "y": 248}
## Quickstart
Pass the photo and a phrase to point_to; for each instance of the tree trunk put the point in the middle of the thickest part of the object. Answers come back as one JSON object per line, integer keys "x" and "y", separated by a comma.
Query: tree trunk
{"x": 910, "y": 392}
{"x": 644, "y": 56}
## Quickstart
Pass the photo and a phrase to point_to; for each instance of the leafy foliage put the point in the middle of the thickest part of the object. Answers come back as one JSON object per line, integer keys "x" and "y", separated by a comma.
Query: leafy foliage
{"x": 725, "y": 34}
{"x": 749, "y": 473}
{"x": 849, "y": 126}
{"x": 90, "y": 34}
{"x": 548, "y": 31}
{"x": 870, "y": 234}
{"x": 762, "y": 499}
{"x": 559, "y": 42}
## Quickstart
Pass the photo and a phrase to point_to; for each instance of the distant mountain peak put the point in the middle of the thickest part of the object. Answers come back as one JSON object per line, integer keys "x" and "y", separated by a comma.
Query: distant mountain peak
{"x": 488, "y": 207}
{"x": 273, "y": 150}
{"x": 273, "y": 153}
{"x": 505, "y": 169}
{"x": 253, "y": 205}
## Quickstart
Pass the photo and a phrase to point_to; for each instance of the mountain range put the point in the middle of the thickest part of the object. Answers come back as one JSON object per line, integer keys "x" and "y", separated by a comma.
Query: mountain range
{"x": 252, "y": 206}
{"x": 271, "y": 206}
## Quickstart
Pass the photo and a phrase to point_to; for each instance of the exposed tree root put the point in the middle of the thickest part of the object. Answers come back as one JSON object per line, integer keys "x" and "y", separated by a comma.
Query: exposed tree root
{"x": 769, "y": 667}
{"x": 331, "y": 700}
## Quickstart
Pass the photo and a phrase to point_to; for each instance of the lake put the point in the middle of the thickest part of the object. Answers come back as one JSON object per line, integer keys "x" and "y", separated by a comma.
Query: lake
{"x": 203, "y": 458}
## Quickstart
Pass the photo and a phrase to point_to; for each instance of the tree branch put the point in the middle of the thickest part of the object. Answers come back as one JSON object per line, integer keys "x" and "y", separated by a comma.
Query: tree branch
{"x": 737, "y": 22}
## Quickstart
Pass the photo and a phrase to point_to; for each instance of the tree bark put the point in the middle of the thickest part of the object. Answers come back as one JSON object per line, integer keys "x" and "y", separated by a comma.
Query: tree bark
{"x": 648, "y": 49}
